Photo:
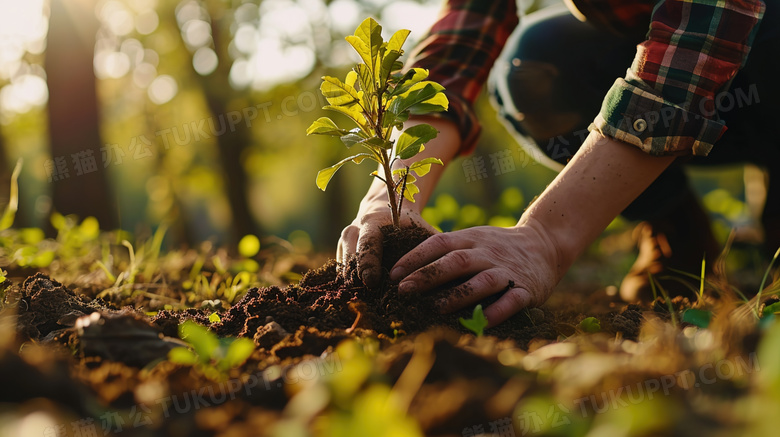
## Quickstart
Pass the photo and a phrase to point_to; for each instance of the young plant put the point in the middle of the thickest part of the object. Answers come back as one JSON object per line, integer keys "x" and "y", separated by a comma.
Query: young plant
{"x": 477, "y": 323}
{"x": 590, "y": 325}
{"x": 215, "y": 356}
{"x": 379, "y": 98}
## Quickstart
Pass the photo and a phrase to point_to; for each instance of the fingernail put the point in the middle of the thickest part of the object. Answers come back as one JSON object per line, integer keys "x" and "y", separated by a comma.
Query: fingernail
{"x": 397, "y": 273}
{"x": 367, "y": 277}
{"x": 407, "y": 287}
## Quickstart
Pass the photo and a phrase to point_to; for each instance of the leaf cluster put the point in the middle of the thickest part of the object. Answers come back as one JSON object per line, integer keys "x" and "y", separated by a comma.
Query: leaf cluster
{"x": 378, "y": 98}
{"x": 477, "y": 323}
{"x": 215, "y": 356}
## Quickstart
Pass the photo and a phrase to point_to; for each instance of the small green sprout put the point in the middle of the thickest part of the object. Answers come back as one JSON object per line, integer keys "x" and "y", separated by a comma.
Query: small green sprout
{"x": 7, "y": 219}
{"x": 379, "y": 98}
{"x": 700, "y": 318}
{"x": 214, "y": 355}
{"x": 477, "y": 323}
{"x": 590, "y": 324}
{"x": 771, "y": 309}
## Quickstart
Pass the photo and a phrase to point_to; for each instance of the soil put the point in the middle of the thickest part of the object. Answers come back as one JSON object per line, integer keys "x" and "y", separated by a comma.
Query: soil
{"x": 92, "y": 358}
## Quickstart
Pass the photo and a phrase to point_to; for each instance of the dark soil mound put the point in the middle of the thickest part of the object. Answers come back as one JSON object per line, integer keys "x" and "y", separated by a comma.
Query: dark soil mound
{"x": 45, "y": 306}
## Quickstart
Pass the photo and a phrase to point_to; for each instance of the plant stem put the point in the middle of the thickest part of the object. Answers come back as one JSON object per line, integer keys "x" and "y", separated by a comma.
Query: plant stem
{"x": 394, "y": 207}
{"x": 390, "y": 189}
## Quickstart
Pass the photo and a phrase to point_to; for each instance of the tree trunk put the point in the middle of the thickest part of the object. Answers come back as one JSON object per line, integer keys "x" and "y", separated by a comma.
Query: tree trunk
{"x": 79, "y": 180}
{"x": 232, "y": 143}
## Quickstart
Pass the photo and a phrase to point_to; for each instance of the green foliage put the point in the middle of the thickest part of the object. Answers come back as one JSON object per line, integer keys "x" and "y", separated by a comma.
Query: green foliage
{"x": 477, "y": 323}
{"x": 772, "y": 309}
{"x": 13, "y": 199}
{"x": 378, "y": 98}
{"x": 249, "y": 246}
{"x": 700, "y": 318}
{"x": 214, "y": 356}
{"x": 590, "y": 324}
{"x": 763, "y": 281}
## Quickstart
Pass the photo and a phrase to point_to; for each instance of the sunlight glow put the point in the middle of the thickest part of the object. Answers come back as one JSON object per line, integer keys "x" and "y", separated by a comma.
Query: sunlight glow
{"x": 24, "y": 93}
{"x": 205, "y": 61}
{"x": 410, "y": 15}
{"x": 162, "y": 89}
{"x": 23, "y": 29}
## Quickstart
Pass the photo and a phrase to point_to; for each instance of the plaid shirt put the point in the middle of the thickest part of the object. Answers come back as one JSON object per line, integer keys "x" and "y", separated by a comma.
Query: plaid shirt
{"x": 664, "y": 105}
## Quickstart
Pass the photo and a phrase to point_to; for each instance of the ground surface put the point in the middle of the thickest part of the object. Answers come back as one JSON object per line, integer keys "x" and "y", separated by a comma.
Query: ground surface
{"x": 86, "y": 341}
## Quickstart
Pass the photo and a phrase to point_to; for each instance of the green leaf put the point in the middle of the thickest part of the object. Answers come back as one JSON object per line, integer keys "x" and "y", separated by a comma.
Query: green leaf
{"x": 339, "y": 93}
{"x": 325, "y": 126}
{"x": 590, "y": 324}
{"x": 398, "y": 39}
{"x": 363, "y": 50}
{"x": 324, "y": 175}
{"x": 370, "y": 33}
{"x": 352, "y": 112}
{"x": 238, "y": 352}
{"x": 408, "y": 80}
{"x": 13, "y": 198}
{"x": 43, "y": 259}
{"x": 416, "y": 95}
{"x": 700, "y": 318}
{"x": 388, "y": 65}
{"x": 423, "y": 166}
{"x": 772, "y": 309}
{"x": 412, "y": 139}
{"x": 249, "y": 246}
{"x": 182, "y": 355}
{"x": 3, "y": 276}
{"x": 437, "y": 103}
{"x": 410, "y": 190}
{"x": 378, "y": 143}
{"x": 395, "y": 120}
{"x": 477, "y": 323}
{"x": 214, "y": 318}
{"x": 351, "y": 139}
{"x": 366, "y": 81}
{"x": 393, "y": 50}
{"x": 202, "y": 340}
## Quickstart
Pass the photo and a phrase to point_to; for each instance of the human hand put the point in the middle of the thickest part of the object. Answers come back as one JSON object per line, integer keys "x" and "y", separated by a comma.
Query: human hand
{"x": 523, "y": 261}
{"x": 364, "y": 238}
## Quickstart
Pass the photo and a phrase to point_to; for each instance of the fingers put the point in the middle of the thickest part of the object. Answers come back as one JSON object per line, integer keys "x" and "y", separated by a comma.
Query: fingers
{"x": 482, "y": 285}
{"x": 449, "y": 267}
{"x": 347, "y": 243}
{"x": 508, "y": 305}
{"x": 369, "y": 252}
{"x": 428, "y": 251}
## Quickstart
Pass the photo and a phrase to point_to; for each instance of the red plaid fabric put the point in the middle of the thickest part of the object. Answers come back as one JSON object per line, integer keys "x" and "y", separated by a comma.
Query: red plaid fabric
{"x": 692, "y": 50}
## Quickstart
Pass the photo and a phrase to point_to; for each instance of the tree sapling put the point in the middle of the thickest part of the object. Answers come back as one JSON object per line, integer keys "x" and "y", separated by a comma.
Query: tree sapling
{"x": 379, "y": 98}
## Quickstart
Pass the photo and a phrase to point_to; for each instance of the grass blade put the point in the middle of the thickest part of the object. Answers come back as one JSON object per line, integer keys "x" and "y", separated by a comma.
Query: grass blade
{"x": 13, "y": 199}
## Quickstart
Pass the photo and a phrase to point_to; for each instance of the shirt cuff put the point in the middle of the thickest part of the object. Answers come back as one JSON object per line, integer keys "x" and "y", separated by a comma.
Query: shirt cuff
{"x": 633, "y": 114}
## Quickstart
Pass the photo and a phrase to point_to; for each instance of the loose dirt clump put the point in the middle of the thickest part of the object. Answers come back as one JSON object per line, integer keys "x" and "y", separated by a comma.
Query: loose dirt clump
{"x": 45, "y": 305}
{"x": 334, "y": 297}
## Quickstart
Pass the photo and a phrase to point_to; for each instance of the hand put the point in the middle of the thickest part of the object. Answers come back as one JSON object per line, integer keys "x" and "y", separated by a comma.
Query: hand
{"x": 522, "y": 260}
{"x": 364, "y": 234}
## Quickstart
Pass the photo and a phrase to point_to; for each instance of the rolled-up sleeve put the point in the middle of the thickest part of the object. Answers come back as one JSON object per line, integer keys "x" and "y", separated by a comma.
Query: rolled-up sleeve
{"x": 666, "y": 103}
{"x": 459, "y": 52}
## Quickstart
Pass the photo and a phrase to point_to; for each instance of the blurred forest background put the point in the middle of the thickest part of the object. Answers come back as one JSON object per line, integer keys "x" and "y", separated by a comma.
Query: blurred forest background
{"x": 192, "y": 114}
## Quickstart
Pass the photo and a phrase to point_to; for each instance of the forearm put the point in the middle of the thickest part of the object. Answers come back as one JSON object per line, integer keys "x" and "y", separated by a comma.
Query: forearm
{"x": 604, "y": 177}
{"x": 445, "y": 147}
